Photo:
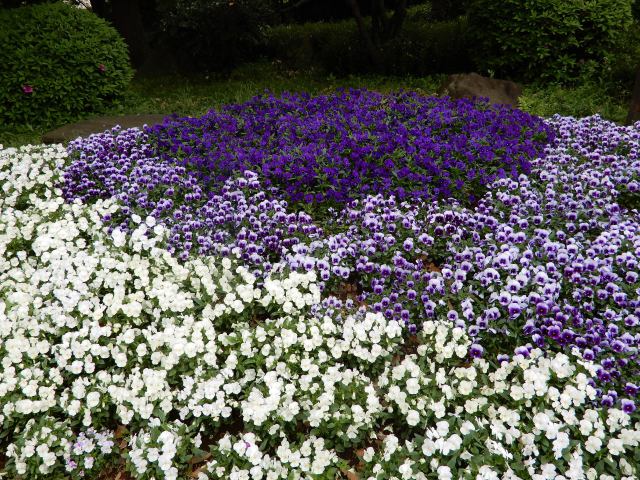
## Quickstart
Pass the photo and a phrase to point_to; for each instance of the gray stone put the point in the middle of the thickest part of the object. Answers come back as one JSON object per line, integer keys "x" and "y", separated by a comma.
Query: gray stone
{"x": 98, "y": 125}
{"x": 468, "y": 85}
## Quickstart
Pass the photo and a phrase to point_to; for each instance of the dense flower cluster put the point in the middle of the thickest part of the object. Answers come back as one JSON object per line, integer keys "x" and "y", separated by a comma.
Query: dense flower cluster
{"x": 555, "y": 256}
{"x": 338, "y": 147}
{"x": 549, "y": 259}
{"x": 208, "y": 373}
{"x": 240, "y": 218}
{"x": 523, "y": 262}
{"x": 151, "y": 323}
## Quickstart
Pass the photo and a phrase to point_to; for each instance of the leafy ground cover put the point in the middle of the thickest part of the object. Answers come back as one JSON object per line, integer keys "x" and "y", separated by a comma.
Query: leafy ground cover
{"x": 385, "y": 338}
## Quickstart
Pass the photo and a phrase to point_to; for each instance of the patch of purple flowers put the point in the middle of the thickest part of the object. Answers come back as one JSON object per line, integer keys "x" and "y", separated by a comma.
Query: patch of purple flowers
{"x": 239, "y": 218}
{"x": 338, "y": 147}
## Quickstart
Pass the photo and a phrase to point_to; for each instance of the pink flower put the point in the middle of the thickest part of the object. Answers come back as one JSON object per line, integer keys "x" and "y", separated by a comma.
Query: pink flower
{"x": 27, "y": 89}
{"x": 102, "y": 68}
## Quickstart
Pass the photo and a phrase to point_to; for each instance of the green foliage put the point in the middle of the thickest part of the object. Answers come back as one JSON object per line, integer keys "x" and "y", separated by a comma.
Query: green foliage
{"x": 429, "y": 48}
{"x": 421, "y": 48}
{"x": 618, "y": 70}
{"x": 58, "y": 62}
{"x": 446, "y": 9}
{"x": 420, "y": 13}
{"x": 293, "y": 44}
{"x": 213, "y": 36}
{"x": 628, "y": 193}
{"x": 13, "y": 136}
{"x": 629, "y": 200}
{"x": 577, "y": 101}
{"x": 635, "y": 10}
{"x": 544, "y": 39}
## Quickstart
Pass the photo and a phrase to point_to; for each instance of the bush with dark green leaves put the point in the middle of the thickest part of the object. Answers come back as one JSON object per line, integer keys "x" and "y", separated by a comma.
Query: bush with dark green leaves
{"x": 421, "y": 48}
{"x": 446, "y": 9}
{"x": 333, "y": 47}
{"x": 58, "y": 62}
{"x": 214, "y": 35}
{"x": 544, "y": 39}
{"x": 620, "y": 64}
{"x": 426, "y": 48}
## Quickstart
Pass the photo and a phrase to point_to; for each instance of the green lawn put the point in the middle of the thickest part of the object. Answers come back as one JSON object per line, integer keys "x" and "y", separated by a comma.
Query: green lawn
{"x": 194, "y": 95}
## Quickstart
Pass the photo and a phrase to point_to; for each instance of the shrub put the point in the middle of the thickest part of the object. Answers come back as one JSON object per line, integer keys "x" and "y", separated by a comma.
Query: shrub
{"x": 544, "y": 39}
{"x": 421, "y": 48}
{"x": 279, "y": 45}
{"x": 58, "y": 62}
{"x": 214, "y": 36}
{"x": 621, "y": 61}
{"x": 422, "y": 12}
{"x": 427, "y": 48}
{"x": 446, "y": 9}
{"x": 300, "y": 46}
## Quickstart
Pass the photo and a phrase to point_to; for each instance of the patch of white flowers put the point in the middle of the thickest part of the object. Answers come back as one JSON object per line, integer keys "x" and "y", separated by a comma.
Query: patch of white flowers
{"x": 113, "y": 353}
{"x": 242, "y": 459}
{"x": 530, "y": 415}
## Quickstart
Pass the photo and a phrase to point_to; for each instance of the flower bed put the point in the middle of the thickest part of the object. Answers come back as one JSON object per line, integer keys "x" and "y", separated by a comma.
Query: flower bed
{"x": 382, "y": 339}
{"x": 333, "y": 148}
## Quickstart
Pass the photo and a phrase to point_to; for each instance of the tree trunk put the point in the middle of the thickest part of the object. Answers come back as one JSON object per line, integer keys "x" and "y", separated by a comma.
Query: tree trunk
{"x": 634, "y": 109}
{"x": 127, "y": 18}
{"x": 372, "y": 49}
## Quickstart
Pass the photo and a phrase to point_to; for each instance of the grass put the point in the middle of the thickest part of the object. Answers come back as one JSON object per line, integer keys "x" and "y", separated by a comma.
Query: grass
{"x": 578, "y": 101}
{"x": 194, "y": 95}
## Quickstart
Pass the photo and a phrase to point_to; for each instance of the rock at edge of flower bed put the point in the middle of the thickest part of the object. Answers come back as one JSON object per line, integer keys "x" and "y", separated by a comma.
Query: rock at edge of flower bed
{"x": 468, "y": 85}
{"x": 85, "y": 128}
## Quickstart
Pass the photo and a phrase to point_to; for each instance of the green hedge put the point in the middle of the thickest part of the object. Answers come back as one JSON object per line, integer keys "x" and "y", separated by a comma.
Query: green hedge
{"x": 56, "y": 63}
{"x": 544, "y": 39}
{"x": 213, "y": 36}
{"x": 421, "y": 48}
